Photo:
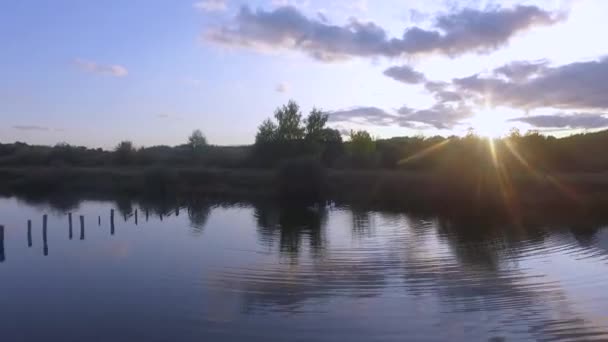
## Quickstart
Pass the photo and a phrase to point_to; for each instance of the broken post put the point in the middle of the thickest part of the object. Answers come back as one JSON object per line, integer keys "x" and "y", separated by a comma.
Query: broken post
{"x": 29, "y": 233}
{"x": 2, "y": 244}
{"x": 44, "y": 241}
{"x": 112, "y": 222}
{"x": 70, "y": 224}
{"x": 81, "y": 227}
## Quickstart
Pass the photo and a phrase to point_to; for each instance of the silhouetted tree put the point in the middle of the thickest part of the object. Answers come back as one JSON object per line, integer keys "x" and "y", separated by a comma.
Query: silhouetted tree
{"x": 361, "y": 143}
{"x": 315, "y": 125}
{"x": 289, "y": 120}
{"x": 267, "y": 132}
{"x": 124, "y": 152}
{"x": 197, "y": 140}
{"x": 333, "y": 147}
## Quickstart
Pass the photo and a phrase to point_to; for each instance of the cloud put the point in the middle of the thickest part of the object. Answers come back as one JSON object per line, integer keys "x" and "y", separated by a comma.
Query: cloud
{"x": 452, "y": 34}
{"x": 282, "y": 87}
{"x": 31, "y": 128}
{"x": 112, "y": 70}
{"x": 365, "y": 115}
{"x": 294, "y": 3}
{"x": 577, "y": 86}
{"x": 405, "y": 74}
{"x": 521, "y": 70}
{"x": 211, "y": 5}
{"x": 440, "y": 116}
{"x": 572, "y": 121}
{"x": 357, "y": 5}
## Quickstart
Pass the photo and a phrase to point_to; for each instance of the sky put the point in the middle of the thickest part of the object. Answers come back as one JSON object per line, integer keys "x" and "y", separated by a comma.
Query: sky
{"x": 94, "y": 73}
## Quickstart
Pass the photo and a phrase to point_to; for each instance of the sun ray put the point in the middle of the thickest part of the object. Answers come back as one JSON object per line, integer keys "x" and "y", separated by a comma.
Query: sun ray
{"x": 571, "y": 193}
{"x": 505, "y": 186}
{"x": 424, "y": 152}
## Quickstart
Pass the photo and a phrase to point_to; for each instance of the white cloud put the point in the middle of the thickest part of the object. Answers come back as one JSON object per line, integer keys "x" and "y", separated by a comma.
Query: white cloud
{"x": 211, "y": 5}
{"x": 112, "y": 70}
{"x": 282, "y": 87}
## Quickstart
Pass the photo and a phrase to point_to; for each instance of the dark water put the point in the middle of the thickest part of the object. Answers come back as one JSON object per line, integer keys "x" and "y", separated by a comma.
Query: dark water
{"x": 244, "y": 272}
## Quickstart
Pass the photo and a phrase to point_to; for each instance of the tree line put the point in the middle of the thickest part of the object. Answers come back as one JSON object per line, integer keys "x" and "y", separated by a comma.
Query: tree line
{"x": 291, "y": 135}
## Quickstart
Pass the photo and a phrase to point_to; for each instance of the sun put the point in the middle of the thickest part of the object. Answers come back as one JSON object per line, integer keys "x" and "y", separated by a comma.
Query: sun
{"x": 488, "y": 123}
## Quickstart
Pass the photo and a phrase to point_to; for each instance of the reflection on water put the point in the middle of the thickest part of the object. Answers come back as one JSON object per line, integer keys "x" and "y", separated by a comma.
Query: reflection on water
{"x": 166, "y": 270}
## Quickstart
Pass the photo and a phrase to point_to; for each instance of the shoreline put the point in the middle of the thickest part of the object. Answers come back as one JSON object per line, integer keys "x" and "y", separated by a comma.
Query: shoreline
{"x": 382, "y": 188}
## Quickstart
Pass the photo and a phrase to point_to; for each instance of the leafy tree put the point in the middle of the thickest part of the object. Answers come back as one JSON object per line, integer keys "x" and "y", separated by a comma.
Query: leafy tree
{"x": 267, "y": 132}
{"x": 289, "y": 119}
{"x": 315, "y": 124}
{"x": 514, "y": 133}
{"x": 331, "y": 136}
{"x": 124, "y": 152}
{"x": 197, "y": 140}
{"x": 361, "y": 143}
{"x": 333, "y": 148}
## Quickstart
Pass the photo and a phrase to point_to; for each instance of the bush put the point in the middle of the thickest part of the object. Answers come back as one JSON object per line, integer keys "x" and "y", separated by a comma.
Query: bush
{"x": 302, "y": 180}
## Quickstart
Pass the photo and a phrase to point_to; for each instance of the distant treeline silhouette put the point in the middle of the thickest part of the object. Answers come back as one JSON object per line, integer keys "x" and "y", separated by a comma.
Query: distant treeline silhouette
{"x": 290, "y": 136}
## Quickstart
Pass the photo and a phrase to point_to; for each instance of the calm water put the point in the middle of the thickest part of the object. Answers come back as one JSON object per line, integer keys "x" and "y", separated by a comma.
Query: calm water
{"x": 244, "y": 272}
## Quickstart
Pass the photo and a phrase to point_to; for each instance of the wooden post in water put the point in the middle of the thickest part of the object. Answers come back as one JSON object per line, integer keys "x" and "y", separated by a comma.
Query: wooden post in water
{"x": 147, "y": 214}
{"x": 70, "y": 224}
{"x": 2, "y": 257}
{"x": 81, "y": 227}
{"x": 44, "y": 241}
{"x": 136, "y": 217}
{"x": 98, "y": 221}
{"x": 29, "y": 233}
{"x": 177, "y": 211}
{"x": 112, "y": 222}
{"x": 161, "y": 216}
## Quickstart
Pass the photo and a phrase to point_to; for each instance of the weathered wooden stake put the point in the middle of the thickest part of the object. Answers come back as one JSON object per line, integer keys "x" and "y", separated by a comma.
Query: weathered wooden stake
{"x": 2, "y": 257}
{"x": 81, "y": 227}
{"x": 161, "y": 216}
{"x": 136, "y": 217}
{"x": 177, "y": 211}
{"x": 112, "y": 221}
{"x": 70, "y": 224}
{"x": 147, "y": 214}
{"x": 44, "y": 241}
{"x": 99, "y": 221}
{"x": 29, "y": 233}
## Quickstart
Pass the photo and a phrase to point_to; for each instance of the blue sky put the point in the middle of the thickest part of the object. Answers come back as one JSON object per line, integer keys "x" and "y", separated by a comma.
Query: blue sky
{"x": 94, "y": 73}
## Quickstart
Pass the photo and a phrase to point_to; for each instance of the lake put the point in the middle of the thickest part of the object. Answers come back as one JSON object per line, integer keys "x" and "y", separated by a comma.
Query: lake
{"x": 213, "y": 271}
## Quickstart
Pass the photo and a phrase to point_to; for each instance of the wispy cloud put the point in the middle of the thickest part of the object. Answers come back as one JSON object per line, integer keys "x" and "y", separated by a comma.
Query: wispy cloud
{"x": 94, "y": 67}
{"x": 31, "y": 128}
{"x": 211, "y": 5}
{"x": 576, "y": 86}
{"x": 282, "y": 87}
{"x": 571, "y": 121}
{"x": 405, "y": 74}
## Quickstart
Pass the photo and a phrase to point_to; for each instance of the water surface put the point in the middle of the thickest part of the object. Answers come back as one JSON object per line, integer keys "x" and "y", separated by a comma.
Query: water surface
{"x": 261, "y": 272}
